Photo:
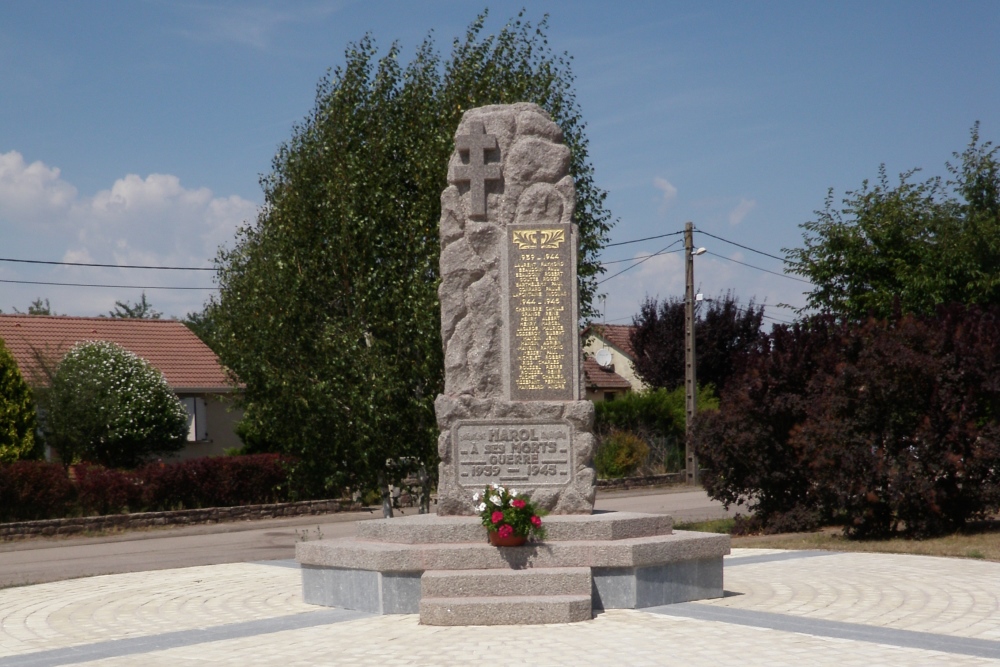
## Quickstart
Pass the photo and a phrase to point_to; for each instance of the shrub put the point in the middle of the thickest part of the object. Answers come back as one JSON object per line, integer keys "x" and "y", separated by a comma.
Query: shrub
{"x": 33, "y": 490}
{"x": 619, "y": 454}
{"x": 887, "y": 425}
{"x": 223, "y": 481}
{"x": 17, "y": 412}
{"x": 103, "y": 490}
{"x": 108, "y": 406}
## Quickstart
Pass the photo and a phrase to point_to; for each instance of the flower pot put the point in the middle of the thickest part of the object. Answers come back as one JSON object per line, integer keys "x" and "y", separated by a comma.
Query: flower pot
{"x": 512, "y": 541}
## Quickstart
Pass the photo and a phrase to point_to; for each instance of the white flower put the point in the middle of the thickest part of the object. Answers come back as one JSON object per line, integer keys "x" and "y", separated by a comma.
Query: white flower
{"x": 513, "y": 493}
{"x": 495, "y": 500}
{"x": 475, "y": 496}
{"x": 499, "y": 489}
{"x": 481, "y": 507}
{"x": 495, "y": 485}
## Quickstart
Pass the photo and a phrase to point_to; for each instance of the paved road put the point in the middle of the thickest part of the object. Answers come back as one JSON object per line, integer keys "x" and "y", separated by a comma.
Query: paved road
{"x": 43, "y": 560}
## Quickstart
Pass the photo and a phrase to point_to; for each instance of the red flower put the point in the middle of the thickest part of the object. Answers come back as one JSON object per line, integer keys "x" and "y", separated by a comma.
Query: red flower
{"x": 536, "y": 522}
{"x": 505, "y": 531}
{"x": 497, "y": 517}
{"x": 518, "y": 503}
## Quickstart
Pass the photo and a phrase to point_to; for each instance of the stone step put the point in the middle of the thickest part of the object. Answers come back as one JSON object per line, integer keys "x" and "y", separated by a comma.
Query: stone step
{"x": 434, "y": 529}
{"x": 509, "y": 610}
{"x": 492, "y": 583}
{"x": 353, "y": 553}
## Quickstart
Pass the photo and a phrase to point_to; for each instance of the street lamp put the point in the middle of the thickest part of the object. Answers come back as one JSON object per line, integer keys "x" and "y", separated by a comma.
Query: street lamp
{"x": 690, "y": 370}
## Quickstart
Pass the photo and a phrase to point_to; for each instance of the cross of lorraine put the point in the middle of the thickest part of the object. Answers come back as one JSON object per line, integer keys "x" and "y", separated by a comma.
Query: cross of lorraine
{"x": 476, "y": 172}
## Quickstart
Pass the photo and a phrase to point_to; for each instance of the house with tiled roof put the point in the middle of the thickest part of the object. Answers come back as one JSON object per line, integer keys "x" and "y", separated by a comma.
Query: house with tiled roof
{"x": 616, "y": 375}
{"x": 190, "y": 367}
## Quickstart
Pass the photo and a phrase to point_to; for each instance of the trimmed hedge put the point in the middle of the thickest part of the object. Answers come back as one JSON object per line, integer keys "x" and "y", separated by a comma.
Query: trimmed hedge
{"x": 33, "y": 490}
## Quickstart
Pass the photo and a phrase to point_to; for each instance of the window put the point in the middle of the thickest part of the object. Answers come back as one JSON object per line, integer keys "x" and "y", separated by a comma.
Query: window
{"x": 609, "y": 396}
{"x": 197, "y": 419}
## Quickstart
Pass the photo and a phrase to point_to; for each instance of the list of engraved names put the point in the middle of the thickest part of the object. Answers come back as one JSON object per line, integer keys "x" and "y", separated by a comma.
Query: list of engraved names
{"x": 541, "y": 313}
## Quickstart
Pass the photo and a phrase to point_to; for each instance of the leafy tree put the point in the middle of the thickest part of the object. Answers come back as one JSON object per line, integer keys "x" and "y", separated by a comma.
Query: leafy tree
{"x": 108, "y": 406}
{"x": 17, "y": 412}
{"x": 202, "y": 324}
{"x": 140, "y": 310}
{"x": 885, "y": 425}
{"x": 724, "y": 332}
{"x": 328, "y": 311}
{"x": 911, "y": 246}
{"x": 38, "y": 307}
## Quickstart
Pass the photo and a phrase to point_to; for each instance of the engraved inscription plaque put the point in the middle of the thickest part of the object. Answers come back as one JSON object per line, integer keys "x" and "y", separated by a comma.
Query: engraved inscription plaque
{"x": 512, "y": 452}
{"x": 540, "y": 272}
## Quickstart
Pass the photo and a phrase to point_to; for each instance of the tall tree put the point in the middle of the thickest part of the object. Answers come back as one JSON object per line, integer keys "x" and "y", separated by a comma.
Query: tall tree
{"x": 328, "y": 310}
{"x": 724, "y": 331}
{"x": 39, "y": 306}
{"x": 911, "y": 246}
{"x": 140, "y": 310}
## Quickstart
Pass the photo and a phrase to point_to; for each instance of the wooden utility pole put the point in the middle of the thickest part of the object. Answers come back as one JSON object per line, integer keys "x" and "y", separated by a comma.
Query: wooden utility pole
{"x": 690, "y": 381}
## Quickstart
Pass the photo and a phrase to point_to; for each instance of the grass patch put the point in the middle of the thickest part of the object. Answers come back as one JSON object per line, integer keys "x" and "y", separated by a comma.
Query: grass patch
{"x": 713, "y": 526}
{"x": 981, "y": 542}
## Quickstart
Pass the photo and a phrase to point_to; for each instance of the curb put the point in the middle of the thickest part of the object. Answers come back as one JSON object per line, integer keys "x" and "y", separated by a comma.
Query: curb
{"x": 77, "y": 525}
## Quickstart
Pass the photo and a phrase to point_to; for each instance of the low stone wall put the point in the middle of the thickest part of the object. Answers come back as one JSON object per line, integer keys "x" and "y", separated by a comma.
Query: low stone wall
{"x": 208, "y": 515}
{"x": 667, "y": 479}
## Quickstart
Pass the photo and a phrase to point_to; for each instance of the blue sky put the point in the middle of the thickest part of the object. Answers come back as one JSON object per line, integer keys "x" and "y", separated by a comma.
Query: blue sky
{"x": 135, "y": 132}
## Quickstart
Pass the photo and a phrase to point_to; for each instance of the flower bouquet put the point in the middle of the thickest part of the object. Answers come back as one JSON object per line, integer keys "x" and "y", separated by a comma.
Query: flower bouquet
{"x": 509, "y": 519}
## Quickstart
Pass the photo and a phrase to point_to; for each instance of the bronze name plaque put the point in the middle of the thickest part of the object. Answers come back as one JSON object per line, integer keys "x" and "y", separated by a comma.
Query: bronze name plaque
{"x": 540, "y": 271}
{"x": 512, "y": 452}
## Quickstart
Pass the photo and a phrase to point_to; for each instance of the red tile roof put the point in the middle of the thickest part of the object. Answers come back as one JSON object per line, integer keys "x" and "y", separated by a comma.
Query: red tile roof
{"x": 595, "y": 377}
{"x": 615, "y": 334}
{"x": 185, "y": 361}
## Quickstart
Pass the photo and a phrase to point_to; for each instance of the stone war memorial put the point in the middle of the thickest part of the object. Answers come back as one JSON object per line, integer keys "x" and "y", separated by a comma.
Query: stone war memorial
{"x": 512, "y": 414}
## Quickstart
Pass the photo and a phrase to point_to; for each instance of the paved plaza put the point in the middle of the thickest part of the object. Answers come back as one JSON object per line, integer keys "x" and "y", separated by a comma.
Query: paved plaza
{"x": 781, "y": 608}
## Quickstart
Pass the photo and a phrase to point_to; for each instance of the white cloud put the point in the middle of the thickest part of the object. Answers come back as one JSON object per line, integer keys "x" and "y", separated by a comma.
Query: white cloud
{"x": 31, "y": 192}
{"x": 668, "y": 190}
{"x": 153, "y": 220}
{"x": 742, "y": 209}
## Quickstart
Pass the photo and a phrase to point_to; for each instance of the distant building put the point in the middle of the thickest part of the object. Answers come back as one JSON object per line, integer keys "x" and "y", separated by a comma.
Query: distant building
{"x": 190, "y": 367}
{"x": 617, "y": 377}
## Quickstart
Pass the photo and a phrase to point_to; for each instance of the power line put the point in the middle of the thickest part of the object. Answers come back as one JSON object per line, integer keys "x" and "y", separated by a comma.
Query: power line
{"x": 740, "y": 245}
{"x": 106, "y": 266}
{"x": 648, "y": 238}
{"x": 644, "y": 259}
{"x": 38, "y": 282}
{"x": 782, "y": 275}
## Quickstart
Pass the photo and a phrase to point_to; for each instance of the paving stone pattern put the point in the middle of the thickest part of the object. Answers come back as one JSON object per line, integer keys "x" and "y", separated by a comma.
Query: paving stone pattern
{"x": 783, "y": 608}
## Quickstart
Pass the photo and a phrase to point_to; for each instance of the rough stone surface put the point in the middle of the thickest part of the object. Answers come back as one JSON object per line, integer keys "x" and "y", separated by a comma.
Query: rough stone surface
{"x": 527, "y": 610}
{"x": 396, "y": 557}
{"x": 435, "y": 529}
{"x": 510, "y": 171}
{"x": 491, "y": 583}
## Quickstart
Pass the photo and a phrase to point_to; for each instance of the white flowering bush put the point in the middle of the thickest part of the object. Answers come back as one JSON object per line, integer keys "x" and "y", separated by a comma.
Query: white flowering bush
{"x": 108, "y": 406}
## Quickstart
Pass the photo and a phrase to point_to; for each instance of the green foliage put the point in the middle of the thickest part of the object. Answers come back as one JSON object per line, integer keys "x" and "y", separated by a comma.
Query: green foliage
{"x": 908, "y": 247}
{"x": 619, "y": 454}
{"x": 202, "y": 324}
{"x": 39, "y": 306}
{"x": 140, "y": 310}
{"x": 724, "y": 332}
{"x": 886, "y": 425}
{"x": 652, "y": 413}
{"x": 328, "y": 309}
{"x": 17, "y": 412}
{"x": 108, "y": 406}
